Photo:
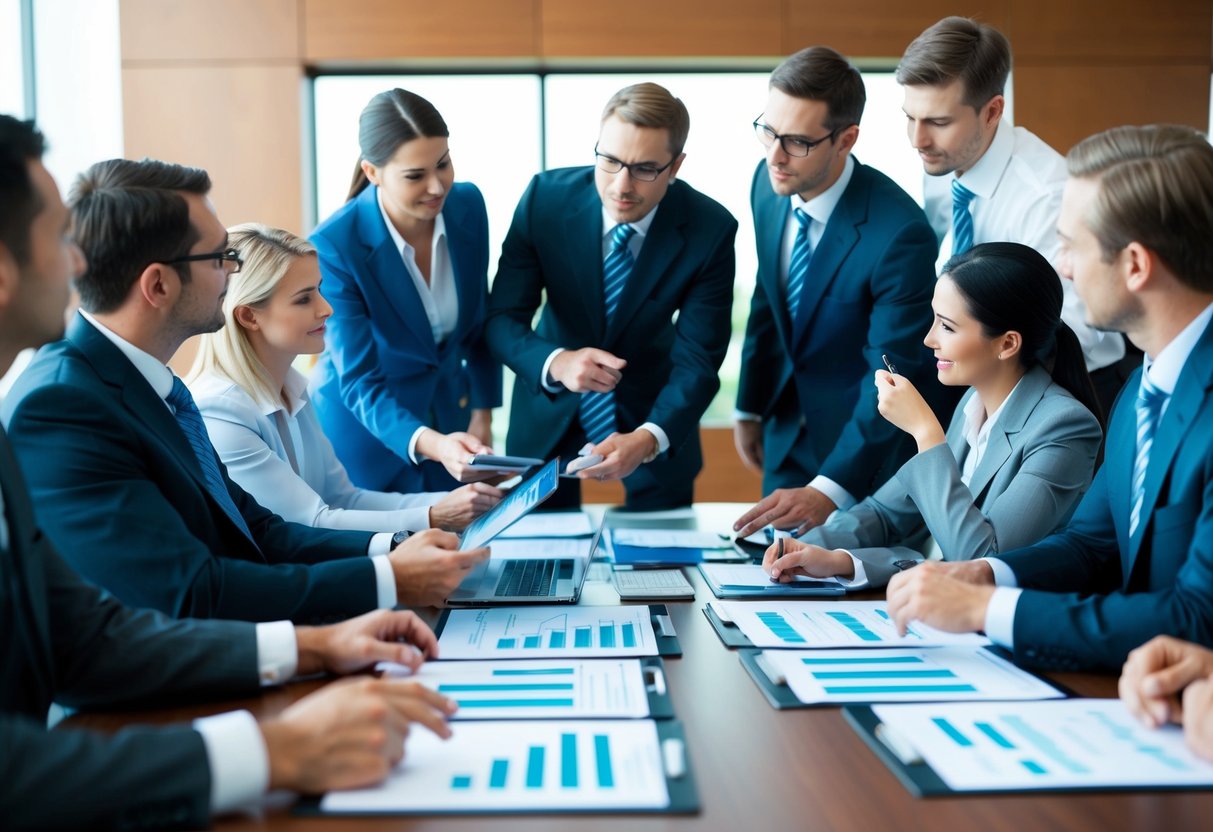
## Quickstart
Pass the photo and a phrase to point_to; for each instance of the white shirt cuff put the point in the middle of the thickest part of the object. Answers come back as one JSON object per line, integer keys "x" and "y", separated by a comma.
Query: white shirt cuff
{"x": 1000, "y": 616}
{"x": 277, "y": 652}
{"x": 860, "y": 581}
{"x": 238, "y": 759}
{"x": 413, "y": 445}
{"x": 381, "y": 543}
{"x": 742, "y": 416}
{"x": 1003, "y": 574}
{"x": 841, "y": 497}
{"x": 385, "y": 581}
{"x": 663, "y": 441}
{"x": 543, "y": 375}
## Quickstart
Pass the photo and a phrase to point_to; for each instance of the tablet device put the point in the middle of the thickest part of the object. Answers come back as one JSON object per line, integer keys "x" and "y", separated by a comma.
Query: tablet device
{"x": 507, "y": 464}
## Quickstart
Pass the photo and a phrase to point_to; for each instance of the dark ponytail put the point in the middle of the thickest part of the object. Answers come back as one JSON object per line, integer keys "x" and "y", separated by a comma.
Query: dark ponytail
{"x": 1009, "y": 286}
{"x": 392, "y": 118}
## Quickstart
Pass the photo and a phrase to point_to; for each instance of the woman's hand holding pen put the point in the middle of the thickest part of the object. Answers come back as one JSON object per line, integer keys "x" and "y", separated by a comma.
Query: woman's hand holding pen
{"x": 787, "y": 558}
{"x": 902, "y": 405}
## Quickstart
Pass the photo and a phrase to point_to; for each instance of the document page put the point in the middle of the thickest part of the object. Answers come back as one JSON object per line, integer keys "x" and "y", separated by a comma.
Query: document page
{"x": 501, "y": 766}
{"x": 669, "y": 539}
{"x": 598, "y": 688}
{"x": 542, "y": 632}
{"x": 736, "y": 575}
{"x": 937, "y": 673}
{"x": 551, "y": 524}
{"x": 804, "y": 624}
{"x": 1044, "y": 745}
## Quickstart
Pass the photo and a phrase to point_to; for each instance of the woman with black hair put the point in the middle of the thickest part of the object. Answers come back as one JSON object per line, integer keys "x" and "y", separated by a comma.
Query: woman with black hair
{"x": 1019, "y": 451}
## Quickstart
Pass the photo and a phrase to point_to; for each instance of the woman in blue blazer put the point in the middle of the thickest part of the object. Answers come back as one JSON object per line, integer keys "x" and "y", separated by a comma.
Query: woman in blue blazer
{"x": 1019, "y": 451}
{"x": 405, "y": 387}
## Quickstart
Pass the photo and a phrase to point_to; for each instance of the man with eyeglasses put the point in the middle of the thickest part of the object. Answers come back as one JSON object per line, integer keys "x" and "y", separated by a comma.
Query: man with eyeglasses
{"x": 845, "y": 277}
{"x": 125, "y": 479}
{"x": 637, "y": 269}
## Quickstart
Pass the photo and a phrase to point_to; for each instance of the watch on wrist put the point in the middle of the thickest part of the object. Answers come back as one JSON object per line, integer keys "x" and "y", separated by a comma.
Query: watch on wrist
{"x": 399, "y": 537}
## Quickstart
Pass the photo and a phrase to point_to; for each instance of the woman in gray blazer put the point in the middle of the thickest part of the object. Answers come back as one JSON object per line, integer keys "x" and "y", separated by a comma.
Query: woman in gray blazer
{"x": 1019, "y": 451}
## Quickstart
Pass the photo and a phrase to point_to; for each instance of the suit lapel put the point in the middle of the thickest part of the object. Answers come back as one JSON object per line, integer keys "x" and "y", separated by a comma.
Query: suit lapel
{"x": 840, "y": 236}
{"x": 663, "y": 243}
{"x": 583, "y": 259}
{"x": 1004, "y": 432}
{"x": 770, "y": 224}
{"x": 458, "y": 248}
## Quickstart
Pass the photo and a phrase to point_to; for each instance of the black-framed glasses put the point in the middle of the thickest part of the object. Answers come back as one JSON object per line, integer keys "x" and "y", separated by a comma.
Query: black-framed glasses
{"x": 792, "y": 145}
{"x": 640, "y": 171}
{"x": 230, "y": 255}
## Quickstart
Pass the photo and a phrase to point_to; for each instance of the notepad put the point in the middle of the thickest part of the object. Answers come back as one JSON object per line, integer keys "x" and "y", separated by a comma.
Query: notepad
{"x": 543, "y": 632}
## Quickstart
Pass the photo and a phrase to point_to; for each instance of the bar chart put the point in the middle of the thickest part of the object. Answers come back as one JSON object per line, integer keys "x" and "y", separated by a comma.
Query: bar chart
{"x": 533, "y": 632}
{"x": 489, "y": 766}
{"x": 569, "y": 689}
{"x": 801, "y": 624}
{"x": 1041, "y": 745}
{"x": 906, "y": 675}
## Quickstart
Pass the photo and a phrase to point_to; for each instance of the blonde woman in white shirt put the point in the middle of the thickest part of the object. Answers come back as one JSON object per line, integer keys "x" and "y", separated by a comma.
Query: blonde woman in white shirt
{"x": 256, "y": 405}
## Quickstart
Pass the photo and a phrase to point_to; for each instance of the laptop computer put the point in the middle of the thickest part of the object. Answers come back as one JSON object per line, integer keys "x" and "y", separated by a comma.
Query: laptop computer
{"x": 518, "y": 503}
{"x": 537, "y": 580}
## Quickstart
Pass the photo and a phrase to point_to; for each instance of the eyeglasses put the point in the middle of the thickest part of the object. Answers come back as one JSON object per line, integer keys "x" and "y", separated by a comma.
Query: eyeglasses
{"x": 230, "y": 255}
{"x": 792, "y": 145}
{"x": 640, "y": 171}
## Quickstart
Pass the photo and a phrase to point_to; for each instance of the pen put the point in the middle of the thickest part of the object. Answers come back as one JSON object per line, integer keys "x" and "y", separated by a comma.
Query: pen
{"x": 889, "y": 364}
{"x": 778, "y": 555}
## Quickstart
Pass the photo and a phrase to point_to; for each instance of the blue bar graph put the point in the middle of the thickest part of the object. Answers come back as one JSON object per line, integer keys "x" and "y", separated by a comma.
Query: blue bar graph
{"x": 992, "y": 732}
{"x": 778, "y": 625}
{"x": 461, "y": 781}
{"x": 568, "y": 761}
{"x": 606, "y": 635}
{"x": 514, "y": 703}
{"x": 881, "y": 612}
{"x": 581, "y": 637}
{"x": 534, "y": 767}
{"x": 873, "y": 660}
{"x": 498, "y": 774}
{"x": 602, "y": 754}
{"x": 1044, "y": 744}
{"x": 855, "y": 626}
{"x": 460, "y": 688}
{"x": 505, "y": 643}
{"x": 557, "y": 639}
{"x": 882, "y": 689}
{"x": 950, "y": 729}
{"x": 530, "y": 641}
{"x": 629, "y": 635}
{"x": 883, "y": 674}
{"x": 1034, "y": 767}
{"x": 535, "y": 671}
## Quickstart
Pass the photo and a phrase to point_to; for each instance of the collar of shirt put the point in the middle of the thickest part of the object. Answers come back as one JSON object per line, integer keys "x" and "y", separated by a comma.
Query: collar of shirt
{"x": 158, "y": 375}
{"x": 822, "y": 206}
{"x": 1164, "y": 370}
{"x": 401, "y": 244}
{"x": 983, "y": 178}
{"x": 296, "y": 396}
{"x": 641, "y": 225}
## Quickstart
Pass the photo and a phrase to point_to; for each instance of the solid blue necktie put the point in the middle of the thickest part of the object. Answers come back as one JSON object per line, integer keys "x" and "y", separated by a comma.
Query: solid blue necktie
{"x": 597, "y": 410}
{"x": 798, "y": 266}
{"x": 194, "y": 429}
{"x": 1149, "y": 407}
{"x": 962, "y": 220}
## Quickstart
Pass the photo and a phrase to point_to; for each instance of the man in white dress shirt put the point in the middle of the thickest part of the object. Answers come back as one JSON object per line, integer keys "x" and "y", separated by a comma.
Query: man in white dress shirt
{"x": 987, "y": 180}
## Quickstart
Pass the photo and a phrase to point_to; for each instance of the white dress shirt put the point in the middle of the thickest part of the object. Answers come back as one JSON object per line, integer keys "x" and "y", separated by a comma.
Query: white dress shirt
{"x": 1017, "y": 185}
{"x": 1164, "y": 373}
{"x": 635, "y": 243}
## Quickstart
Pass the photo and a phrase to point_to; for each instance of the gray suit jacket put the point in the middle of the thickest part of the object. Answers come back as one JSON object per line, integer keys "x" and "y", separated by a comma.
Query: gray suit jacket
{"x": 1037, "y": 464}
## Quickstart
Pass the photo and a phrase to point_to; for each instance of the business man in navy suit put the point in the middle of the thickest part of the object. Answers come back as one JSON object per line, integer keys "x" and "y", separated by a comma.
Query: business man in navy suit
{"x": 67, "y": 641}
{"x": 126, "y": 481}
{"x": 1136, "y": 560}
{"x": 845, "y": 277}
{"x": 621, "y": 250}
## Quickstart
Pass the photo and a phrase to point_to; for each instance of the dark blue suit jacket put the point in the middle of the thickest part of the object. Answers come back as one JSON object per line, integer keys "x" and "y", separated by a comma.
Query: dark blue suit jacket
{"x": 383, "y": 376}
{"x": 1092, "y": 592}
{"x": 67, "y": 641}
{"x": 123, "y": 498}
{"x": 685, "y": 268}
{"x": 871, "y": 279}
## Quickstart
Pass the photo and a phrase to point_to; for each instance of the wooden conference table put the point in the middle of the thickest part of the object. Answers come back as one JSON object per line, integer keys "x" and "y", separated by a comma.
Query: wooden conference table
{"x": 755, "y": 768}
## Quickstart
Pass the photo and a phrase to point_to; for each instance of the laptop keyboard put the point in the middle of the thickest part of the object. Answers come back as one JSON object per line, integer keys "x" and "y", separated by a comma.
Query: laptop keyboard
{"x": 534, "y": 578}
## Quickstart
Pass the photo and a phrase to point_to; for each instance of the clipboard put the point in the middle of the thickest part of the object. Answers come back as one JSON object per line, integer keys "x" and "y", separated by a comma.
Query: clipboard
{"x": 679, "y": 780}
{"x": 777, "y": 692}
{"x": 659, "y": 614}
{"x": 729, "y": 632}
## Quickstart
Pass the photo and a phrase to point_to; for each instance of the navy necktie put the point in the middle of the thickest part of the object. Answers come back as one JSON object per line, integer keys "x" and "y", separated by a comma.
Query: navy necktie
{"x": 1149, "y": 408}
{"x": 194, "y": 429}
{"x": 962, "y": 220}
{"x": 798, "y": 266}
{"x": 597, "y": 410}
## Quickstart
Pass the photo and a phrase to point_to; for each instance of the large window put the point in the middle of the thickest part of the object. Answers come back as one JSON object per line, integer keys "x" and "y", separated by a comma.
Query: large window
{"x": 505, "y": 128}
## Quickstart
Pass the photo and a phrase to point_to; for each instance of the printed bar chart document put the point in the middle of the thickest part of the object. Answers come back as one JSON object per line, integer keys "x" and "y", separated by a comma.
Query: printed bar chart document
{"x": 820, "y": 677}
{"x": 807, "y": 624}
{"x": 597, "y": 688}
{"x": 1073, "y": 744}
{"x": 579, "y": 766}
{"x": 541, "y": 632}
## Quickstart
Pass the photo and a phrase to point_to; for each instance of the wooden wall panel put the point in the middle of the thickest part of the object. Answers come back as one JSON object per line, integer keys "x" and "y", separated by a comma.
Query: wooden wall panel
{"x": 674, "y": 28}
{"x": 240, "y": 123}
{"x": 1064, "y": 105}
{"x": 399, "y": 30}
{"x": 876, "y": 28}
{"x": 1106, "y": 31}
{"x": 215, "y": 30}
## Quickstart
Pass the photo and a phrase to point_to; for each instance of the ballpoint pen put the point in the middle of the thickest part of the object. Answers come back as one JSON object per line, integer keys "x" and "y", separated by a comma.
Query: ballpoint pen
{"x": 889, "y": 364}
{"x": 778, "y": 555}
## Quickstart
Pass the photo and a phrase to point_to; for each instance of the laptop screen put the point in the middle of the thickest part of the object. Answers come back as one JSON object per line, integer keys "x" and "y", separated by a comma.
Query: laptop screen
{"x": 521, "y": 500}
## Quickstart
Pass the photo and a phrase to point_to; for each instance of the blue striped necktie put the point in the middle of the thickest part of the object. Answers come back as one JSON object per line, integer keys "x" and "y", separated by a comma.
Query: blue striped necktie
{"x": 798, "y": 266}
{"x": 597, "y": 410}
{"x": 1150, "y": 401}
{"x": 962, "y": 220}
{"x": 194, "y": 429}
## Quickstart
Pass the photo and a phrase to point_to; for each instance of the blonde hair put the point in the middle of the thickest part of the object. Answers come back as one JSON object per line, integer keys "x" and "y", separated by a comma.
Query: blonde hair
{"x": 652, "y": 105}
{"x": 267, "y": 254}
